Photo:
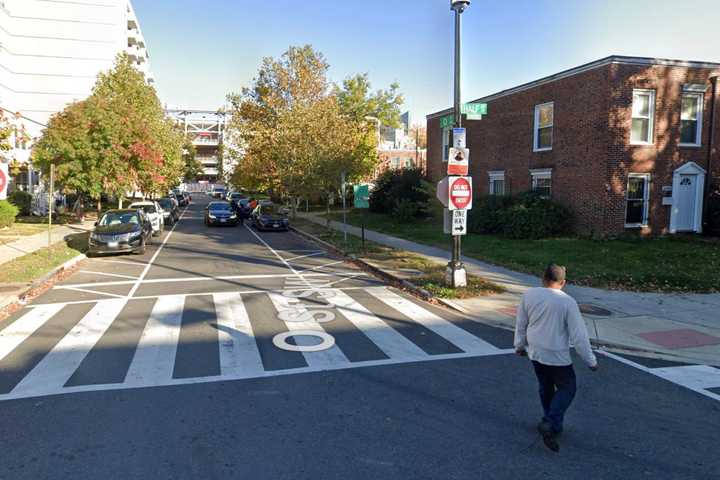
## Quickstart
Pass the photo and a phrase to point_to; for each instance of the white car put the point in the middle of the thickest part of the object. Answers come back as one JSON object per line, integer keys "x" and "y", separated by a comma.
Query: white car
{"x": 154, "y": 213}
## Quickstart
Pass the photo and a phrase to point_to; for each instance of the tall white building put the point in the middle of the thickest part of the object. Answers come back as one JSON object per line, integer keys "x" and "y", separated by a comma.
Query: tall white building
{"x": 51, "y": 53}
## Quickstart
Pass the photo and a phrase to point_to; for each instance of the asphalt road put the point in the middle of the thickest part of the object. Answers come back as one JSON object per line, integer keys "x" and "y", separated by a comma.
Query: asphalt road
{"x": 181, "y": 363}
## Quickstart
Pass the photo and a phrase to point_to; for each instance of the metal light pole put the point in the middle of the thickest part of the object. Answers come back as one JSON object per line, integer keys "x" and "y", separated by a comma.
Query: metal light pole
{"x": 456, "y": 269}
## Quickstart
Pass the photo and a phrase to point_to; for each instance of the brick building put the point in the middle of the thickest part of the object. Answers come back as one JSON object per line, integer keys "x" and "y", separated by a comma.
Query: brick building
{"x": 400, "y": 158}
{"x": 629, "y": 143}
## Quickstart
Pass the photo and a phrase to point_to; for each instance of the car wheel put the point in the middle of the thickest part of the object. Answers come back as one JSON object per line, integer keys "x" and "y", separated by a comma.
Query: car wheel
{"x": 141, "y": 249}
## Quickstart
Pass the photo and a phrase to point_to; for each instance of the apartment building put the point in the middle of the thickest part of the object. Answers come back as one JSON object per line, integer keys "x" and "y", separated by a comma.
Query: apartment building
{"x": 206, "y": 129}
{"x": 50, "y": 55}
{"x": 630, "y": 144}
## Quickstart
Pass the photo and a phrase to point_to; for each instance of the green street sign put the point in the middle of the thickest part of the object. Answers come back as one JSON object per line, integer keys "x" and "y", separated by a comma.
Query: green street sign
{"x": 447, "y": 121}
{"x": 473, "y": 117}
{"x": 362, "y": 195}
{"x": 474, "y": 109}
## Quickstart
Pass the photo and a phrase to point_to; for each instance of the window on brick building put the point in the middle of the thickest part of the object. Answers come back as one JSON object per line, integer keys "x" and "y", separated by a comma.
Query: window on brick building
{"x": 691, "y": 119}
{"x": 407, "y": 162}
{"x": 497, "y": 182}
{"x": 447, "y": 142}
{"x": 637, "y": 200}
{"x": 543, "y": 127}
{"x": 395, "y": 162}
{"x": 643, "y": 117}
{"x": 542, "y": 182}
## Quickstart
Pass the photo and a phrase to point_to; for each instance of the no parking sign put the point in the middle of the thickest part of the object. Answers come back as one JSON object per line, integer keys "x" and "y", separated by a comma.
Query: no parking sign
{"x": 3, "y": 180}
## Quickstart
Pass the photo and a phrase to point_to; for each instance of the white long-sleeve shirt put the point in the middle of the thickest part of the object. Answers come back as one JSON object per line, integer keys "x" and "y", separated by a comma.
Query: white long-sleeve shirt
{"x": 548, "y": 322}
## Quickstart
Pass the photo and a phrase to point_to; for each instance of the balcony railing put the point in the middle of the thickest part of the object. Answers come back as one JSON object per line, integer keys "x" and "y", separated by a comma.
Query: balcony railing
{"x": 205, "y": 141}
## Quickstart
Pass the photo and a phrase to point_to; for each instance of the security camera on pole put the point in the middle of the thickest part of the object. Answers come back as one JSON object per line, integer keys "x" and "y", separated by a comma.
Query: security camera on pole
{"x": 458, "y": 187}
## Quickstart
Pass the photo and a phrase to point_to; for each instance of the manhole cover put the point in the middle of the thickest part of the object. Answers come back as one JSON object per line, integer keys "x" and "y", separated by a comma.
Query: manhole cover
{"x": 590, "y": 309}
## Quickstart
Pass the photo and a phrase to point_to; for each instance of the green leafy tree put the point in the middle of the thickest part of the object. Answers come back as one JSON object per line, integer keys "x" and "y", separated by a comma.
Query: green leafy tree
{"x": 116, "y": 140}
{"x": 5, "y": 133}
{"x": 192, "y": 167}
{"x": 357, "y": 100}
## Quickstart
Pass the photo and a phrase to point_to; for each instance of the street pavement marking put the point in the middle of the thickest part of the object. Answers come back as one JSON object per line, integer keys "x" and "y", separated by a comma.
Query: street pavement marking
{"x": 313, "y": 253}
{"x": 319, "y": 359}
{"x": 14, "y": 334}
{"x": 154, "y": 358}
{"x": 72, "y": 286}
{"x": 60, "y": 363}
{"x": 239, "y": 354}
{"x": 122, "y": 262}
{"x": 108, "y": 274}
{"x": 95, "y": 292}
{"x": 319, "y": 267}
{"x": 448, "y": 330}
{"x": 390, "y": 341}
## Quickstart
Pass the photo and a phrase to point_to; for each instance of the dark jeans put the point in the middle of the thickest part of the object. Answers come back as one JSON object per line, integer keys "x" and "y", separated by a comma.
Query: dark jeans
{"x": 557, "y": 390}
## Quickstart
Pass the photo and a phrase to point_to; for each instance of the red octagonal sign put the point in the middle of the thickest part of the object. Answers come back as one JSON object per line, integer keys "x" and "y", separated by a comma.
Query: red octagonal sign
{"x": 3, "y": 182}
{"x": 460, "y": 192}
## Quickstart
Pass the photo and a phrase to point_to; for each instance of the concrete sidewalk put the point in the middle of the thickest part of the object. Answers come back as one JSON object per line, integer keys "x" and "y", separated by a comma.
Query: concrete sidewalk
{"x": 679, "y": 327}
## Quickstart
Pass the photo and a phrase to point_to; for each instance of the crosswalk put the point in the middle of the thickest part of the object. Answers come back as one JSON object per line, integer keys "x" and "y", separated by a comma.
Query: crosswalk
{"x": 122, "y": 343}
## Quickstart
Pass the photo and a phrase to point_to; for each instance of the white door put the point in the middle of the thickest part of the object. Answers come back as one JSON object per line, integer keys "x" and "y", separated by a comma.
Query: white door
{"x": 686, "y": 195}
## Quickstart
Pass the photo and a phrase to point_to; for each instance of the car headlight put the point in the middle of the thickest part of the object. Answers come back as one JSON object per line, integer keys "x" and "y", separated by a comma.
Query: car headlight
{"x": 134, "y": 234}
{"x": 233, "y": 216}
{"x": 210, "y": 215}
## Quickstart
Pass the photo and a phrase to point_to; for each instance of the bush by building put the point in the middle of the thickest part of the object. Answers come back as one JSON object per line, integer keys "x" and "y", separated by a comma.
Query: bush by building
{"x": 527, "y": 216}
{"x": 401, "y": 191}
{"x": 22, "y": 200}
{"x": 8, "y": 212}
{"x": 713, "y": 210}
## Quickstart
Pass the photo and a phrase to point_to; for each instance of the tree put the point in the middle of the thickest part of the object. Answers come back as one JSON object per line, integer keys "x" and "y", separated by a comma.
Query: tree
{"x": 5, "y": 132}
{"x": 294, "y": 133}
{"x": 116, "y": 140}
{"x": 418, "y": 133}
{"x": 192, "y": 166}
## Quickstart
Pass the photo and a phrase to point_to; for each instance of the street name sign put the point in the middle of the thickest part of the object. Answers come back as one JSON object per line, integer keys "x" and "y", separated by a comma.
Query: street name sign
{"x": 458, "y": 161}
{"x": 447, "y": 121}
{"x": 361, "y": 194}
{"x": 474, "y": 109}
{"x": 4, "y": 178}
{"x": 460, "y": 193}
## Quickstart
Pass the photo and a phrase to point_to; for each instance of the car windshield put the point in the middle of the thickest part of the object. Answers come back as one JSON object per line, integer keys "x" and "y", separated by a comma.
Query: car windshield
{"x": 145, "y": 208}
{"x": 116, "y": 218}
{"x": 219, "y": 206}
{"x": 179, "y": 195}
{"x": 269, "y": 210}
{"x": 166, "y": 203}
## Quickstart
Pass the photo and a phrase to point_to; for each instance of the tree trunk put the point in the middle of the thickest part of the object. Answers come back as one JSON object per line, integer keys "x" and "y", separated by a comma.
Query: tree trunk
{"x": 120, "y": 199}
{"x": 327, "y": 215}
{"x": 99, "y": 205}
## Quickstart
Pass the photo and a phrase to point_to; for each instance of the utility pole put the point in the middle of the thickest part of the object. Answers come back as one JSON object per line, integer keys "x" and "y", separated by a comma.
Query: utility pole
{"x": 456, "y": 270}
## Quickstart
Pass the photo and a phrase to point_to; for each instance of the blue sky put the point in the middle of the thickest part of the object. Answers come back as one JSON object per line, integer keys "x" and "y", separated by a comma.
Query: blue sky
{"x": 202, "y": 50}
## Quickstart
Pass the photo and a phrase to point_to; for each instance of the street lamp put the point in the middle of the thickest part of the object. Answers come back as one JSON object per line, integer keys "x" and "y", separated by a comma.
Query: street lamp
{"x": 455, "y": 269}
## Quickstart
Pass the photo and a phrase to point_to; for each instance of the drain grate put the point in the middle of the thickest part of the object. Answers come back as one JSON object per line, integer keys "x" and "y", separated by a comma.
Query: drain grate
{"x": 590, "y": 309}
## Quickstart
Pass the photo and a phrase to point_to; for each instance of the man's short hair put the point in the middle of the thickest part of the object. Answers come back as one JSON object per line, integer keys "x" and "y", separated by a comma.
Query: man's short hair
{"x": 554, "y": 273}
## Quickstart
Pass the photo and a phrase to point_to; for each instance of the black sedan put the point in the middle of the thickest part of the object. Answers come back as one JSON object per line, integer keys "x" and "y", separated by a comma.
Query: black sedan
{"x": 121, "y": 231}
{"x": 171, "y": 213}
{"x": 220, "y": 213}
{"x": 268, "y": 216}
{"x": 183, "y": 201}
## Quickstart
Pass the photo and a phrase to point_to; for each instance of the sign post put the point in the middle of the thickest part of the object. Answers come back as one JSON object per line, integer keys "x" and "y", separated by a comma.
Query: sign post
{"x": 361, "y": 199}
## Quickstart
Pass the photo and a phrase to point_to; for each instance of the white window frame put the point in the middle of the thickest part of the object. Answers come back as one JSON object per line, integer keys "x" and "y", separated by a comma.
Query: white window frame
{"x": 536, "y": 127}
{"x": 646, "y": 200}
{"x": 395, "y": 163}
{"x": 700, "y": 99}
{"x": 493, "y": 176}
{"x": 541, "y": 173}
{"x": 650, "y": 118}
{"x": 446, "y": 143}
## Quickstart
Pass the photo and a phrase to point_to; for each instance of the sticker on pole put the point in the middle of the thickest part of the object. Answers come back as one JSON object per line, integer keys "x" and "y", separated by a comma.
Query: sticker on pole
{"x": 3, "y": 180}
{"x": 460, "y": 193}
{"x": 458, "y": 161}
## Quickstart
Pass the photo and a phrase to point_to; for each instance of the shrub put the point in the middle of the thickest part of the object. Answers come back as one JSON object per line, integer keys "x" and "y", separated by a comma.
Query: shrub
{"x": 405, "y": 211}
{"x": 392, "y": 186}
{"x": 8, "y": 212}
{"x": 22, "y": 200}
{"x": 526, "y": 216}
{"x": 713, "y": 210}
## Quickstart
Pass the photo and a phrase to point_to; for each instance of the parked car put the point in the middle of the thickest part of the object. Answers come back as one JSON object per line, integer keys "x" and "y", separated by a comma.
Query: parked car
{"x": 182, "y": 200}
{"x": 234, "y": 198}
{"x": 188, "y": 198}
{"x": 218, "y": 192}
{"x": 127, "y": 230}
{"x": 220, "y": 213}
{"x": 268, "y": 216}
{"x": 153, "y": 212}
{"x": 171, "y": 212}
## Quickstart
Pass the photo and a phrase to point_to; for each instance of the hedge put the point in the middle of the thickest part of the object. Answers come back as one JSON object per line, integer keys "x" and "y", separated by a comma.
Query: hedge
{"x": 8, "y": 212}
{"x": 403, "y": 192}
{"x": 22, "y": 200}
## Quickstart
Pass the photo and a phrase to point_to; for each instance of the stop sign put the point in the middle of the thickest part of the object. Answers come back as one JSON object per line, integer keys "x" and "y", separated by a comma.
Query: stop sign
{"x": 3, "y": 181}
{"x": 460, "y": 192}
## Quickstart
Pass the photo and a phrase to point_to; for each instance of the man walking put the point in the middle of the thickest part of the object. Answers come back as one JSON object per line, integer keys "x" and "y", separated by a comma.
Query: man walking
{"x": 548, "y": 322}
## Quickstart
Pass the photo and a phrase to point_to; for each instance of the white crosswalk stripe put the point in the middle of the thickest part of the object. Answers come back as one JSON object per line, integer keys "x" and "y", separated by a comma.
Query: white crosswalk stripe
{"x": 448, "y": 330}
{"x": 154, "y": 358}
{"x": 62, "y": 361}
{"x": 152, "y": 361}
{"x": 239, "y": 355}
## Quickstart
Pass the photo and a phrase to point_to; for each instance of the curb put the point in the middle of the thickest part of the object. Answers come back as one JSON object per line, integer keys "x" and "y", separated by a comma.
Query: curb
{"x": 378, "y": 272}
{"x": 39, "y": 284}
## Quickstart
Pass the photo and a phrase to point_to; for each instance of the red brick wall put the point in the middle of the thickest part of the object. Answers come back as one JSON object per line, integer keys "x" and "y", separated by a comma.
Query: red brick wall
{"x": 591, "y": 155}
